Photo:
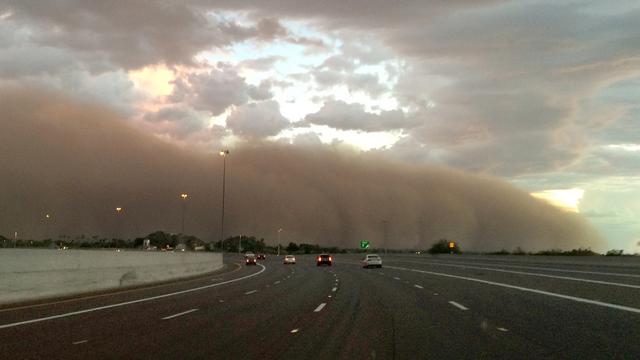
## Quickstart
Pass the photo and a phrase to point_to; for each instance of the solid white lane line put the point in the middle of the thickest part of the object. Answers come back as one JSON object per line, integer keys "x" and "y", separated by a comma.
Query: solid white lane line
{"x": 179, "y": 314}
{"x": 4, "y": 326}
{"x": 459, "y": 306}
{"x": 535, "y": 291}
{"x": 417, "y": 286}
{"x": 251, "y": 292}
{"x": 540, "y": 275}
{"x": 295, "y": 331}
{"x": 80, "y": 342}
{"x": 334, "y": 289}
{"x": 320, "y": 307}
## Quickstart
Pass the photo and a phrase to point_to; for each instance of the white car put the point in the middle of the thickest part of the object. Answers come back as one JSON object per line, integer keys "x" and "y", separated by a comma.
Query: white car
{"x": 372, "y": 260}
{"x": 289, "y": 259}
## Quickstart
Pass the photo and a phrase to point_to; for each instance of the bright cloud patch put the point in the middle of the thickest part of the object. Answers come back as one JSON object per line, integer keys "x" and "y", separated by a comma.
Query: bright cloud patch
{"x": 565, "y": 199}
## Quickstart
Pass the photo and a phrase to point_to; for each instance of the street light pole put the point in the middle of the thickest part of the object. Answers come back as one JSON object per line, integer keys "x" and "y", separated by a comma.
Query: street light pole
{"x": 224, "y": 154}
{"x": 386, "y": 233}
{"x": 184, "y": 197}
{"x": 119, "y": 211}
{"x": 47, "y": 219}
{"x": 279, "y": 231}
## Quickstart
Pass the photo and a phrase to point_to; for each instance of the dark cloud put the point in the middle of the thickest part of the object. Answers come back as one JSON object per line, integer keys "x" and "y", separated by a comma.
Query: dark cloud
{"x": 257, "y": 120}
{"x": 214, "y": 91}
{"x": 179, "y": 122}
{"x": 262, "y": 91}
{"x": 341, "y": 115}
{"x": 261, "y": 64}
{"x": 79, "y": 162}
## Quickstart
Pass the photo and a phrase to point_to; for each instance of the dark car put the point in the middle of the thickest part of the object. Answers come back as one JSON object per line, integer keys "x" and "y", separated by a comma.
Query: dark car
{"x": 324, "y": 259}
{"x": 261, "y": 256}
{"x": 250, "y": 260}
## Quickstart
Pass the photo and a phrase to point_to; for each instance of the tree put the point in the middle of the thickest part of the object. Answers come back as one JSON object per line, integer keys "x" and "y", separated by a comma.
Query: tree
{"x": 442, "y": 247}
{"x": 292, "y": 247}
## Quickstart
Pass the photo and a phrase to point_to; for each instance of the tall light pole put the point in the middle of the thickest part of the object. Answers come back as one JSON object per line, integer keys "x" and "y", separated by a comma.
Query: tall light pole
{"x": 119, "y": 211}
{"x": 224, "y": 154}
{"x": 184, "y": 197}
{"x": 385, "y": 223}
{"x": 47, "y": 220}
{"x": 279, "y": 231}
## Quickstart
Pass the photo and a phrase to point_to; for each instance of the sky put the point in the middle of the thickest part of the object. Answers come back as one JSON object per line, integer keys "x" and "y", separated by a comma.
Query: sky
{"x": 541, "y": 94}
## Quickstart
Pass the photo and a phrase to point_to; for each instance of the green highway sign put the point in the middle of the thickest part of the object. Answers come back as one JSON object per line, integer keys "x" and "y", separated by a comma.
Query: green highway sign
{"x": 364, "y": 244}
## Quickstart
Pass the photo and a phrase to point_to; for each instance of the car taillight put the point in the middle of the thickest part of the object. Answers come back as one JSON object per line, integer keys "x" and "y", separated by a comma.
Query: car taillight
{"x": 330, "y": 259}
{"x": 319, "y": 259}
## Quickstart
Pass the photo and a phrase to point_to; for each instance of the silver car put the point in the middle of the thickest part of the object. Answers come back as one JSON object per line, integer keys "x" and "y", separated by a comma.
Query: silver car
{"x": 372, "y": 260}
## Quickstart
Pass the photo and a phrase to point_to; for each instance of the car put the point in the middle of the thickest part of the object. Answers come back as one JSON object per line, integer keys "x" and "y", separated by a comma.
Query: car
{"x": 261, "y": 257}
{"x": 371, "y": 260}
{"x": 324, "y": 259}
{"x": 250, "y": 260}
{"x": 289, "y": 259}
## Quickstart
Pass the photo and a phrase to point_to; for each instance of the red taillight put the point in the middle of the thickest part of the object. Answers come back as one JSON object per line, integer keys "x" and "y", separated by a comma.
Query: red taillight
{"x": 330, "y": 259}
{"x": 319, "y": 259}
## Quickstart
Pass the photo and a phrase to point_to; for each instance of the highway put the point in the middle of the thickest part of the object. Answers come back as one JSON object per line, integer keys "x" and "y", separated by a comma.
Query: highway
{"x": 415, "y": 307}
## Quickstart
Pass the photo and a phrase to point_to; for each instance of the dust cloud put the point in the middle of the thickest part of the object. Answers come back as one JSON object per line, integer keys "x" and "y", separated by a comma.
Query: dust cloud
{"x": 78, "y": 162}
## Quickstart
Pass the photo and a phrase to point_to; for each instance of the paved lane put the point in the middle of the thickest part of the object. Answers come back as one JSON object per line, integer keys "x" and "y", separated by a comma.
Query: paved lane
{"x": 414, "y": 307}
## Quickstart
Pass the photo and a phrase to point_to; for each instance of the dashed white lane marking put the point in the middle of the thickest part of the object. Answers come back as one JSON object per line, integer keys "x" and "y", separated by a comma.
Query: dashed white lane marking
{"x": 251, "y": 292}
{"x": 4, "y": 326}
{"x": 179, "y": 314}
{"x": 435, "y": 294}
{"x": 80, "y": 342}
{"x": 295, "y": 331}
{"x": 320, "y": 307}
{"x": 277, "y": 282}
{"x": 396, "y": 278}
{"x": 521, "y": 288}
{"x": 329, "y": 296}
{"x": 417, "y": 286}
{"x": 502, "y": 329}
{"x": 334, "y": 289}
{"x": 459, "y": 306}
{"x": 221, "y": 300}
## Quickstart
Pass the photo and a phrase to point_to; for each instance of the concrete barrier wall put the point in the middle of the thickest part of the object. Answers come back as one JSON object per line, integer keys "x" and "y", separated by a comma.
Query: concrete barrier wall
{"x": 31, "y": 274}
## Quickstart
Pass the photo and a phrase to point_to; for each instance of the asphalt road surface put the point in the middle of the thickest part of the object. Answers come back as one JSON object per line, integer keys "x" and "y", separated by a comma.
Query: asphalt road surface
{"x": 415, "y": 307}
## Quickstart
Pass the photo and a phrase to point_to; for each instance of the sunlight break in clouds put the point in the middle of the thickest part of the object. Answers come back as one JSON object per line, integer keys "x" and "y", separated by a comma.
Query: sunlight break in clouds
{"x": 568, "y": 199}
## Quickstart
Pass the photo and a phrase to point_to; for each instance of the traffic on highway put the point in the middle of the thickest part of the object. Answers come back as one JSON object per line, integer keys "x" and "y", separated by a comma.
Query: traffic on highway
{"x": 416, "y": 306}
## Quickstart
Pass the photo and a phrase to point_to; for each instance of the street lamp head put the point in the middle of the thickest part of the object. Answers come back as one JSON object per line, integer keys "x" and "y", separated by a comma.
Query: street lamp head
{"x": 224, "y": 152}
{"x": 184, "y": 196}
{"x": 119, "y": 209}
{"x": 47, "y": 216}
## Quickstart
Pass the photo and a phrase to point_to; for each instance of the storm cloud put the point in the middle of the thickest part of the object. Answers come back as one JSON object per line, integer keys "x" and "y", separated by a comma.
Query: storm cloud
{"x": 78, "y": 161}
